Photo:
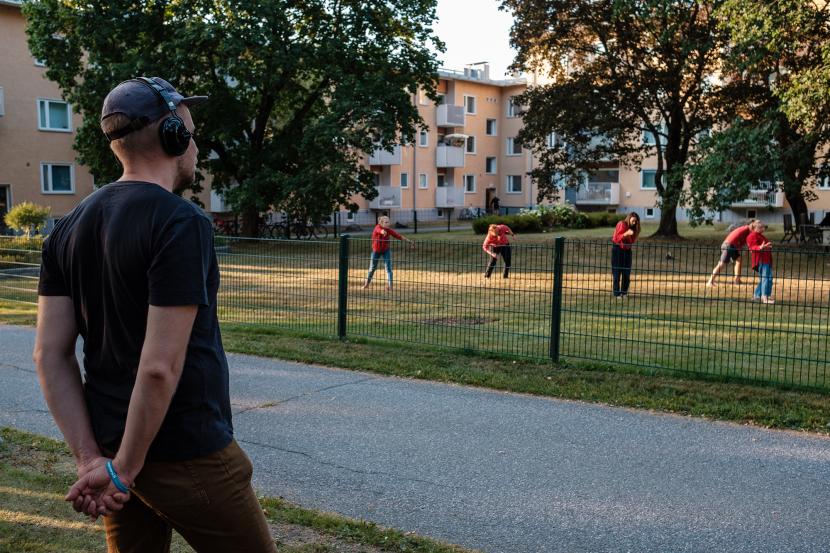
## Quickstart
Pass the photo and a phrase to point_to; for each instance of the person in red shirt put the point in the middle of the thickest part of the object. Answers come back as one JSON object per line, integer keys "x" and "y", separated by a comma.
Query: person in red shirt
{"x": 731, "y": 251}
{"x": 625, "y": 234}
{"x": 761, "y": 252}
{"x": 496, "y": 244}
{"x": 380, "y": 249}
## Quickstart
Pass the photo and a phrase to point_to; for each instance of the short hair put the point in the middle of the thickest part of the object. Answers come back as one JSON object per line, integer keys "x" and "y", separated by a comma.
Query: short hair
{"x": 136, "y": 141}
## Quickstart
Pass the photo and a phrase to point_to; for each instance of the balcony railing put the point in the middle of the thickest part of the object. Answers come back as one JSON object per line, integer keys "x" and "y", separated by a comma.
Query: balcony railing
{"x": 386, "y": 157}
{"x": 598, "y": 193}
{"x": 388, "y": 197}
{"x": 449, "y": 196}
{"x": 762, "y": 198}
{"x": 449, "y": 156}
{"x": 448, "y": 115}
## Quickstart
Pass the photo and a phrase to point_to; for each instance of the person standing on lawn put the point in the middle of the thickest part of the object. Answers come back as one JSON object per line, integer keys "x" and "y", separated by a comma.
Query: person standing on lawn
{"x": 760, "y": 250}
{"x": 496, "y": 244}
{"x": 381, "y": 249}
{"x": 731, "y": 251}
{"x": 133, "y": 270}
{"x": 625, "y": 235}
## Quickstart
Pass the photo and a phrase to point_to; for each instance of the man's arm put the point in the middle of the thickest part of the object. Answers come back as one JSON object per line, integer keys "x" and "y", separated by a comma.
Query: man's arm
{"x": 60, "y": 376}
{"x": 159, "y": 371}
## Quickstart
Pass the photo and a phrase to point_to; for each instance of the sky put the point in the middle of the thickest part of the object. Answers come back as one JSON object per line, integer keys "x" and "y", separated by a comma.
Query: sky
{"x": 473, "y": 31}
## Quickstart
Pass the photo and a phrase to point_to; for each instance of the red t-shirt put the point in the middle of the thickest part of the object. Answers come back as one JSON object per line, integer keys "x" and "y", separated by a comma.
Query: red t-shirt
{"x": 738, "y": 236}
{"x": 759, "y": 256}
{"x": 622, "y": 241}
{"x": 499, "y": 239}
{"x": 380, "y": 238}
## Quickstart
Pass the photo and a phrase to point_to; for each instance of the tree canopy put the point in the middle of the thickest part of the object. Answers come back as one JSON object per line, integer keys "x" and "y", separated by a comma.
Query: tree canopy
{"x": 299, "y": 90}
{"x": 627, "y": 79}
{"x": 773, "y": 46}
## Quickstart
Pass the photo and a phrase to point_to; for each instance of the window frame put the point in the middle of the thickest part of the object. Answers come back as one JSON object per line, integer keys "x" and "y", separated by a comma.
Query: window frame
{"x": 512, "y": 108}
{"x": 423, "y": 139}
{"x": 467, "y": 145}
{"x": 51, "y": 164}
{"x": 646, "y": 214}
{"x": 403, "y": 182}
{"x": 466, "y": 105}
{"x": 423, "y": 181}
{"x": 508, "y": 184}
{"x": 475, "y": 185}
{"x": 511, "y": 146}
{"x": 44, "y": 102}
{"x": 643, "y": 178}
{"x": 495, "y": 165}
{"x": 495, "y": 127}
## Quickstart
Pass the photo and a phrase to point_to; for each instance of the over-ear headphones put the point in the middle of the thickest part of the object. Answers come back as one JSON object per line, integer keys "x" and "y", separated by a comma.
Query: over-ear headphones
{"x": 175, "y": 138}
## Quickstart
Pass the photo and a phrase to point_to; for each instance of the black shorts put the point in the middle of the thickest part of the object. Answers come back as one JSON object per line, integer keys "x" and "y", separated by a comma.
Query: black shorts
{"x": 729, "y": 253}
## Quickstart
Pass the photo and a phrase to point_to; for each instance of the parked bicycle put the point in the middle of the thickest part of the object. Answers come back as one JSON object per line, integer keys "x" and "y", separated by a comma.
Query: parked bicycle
{"x": 471, "y": 213}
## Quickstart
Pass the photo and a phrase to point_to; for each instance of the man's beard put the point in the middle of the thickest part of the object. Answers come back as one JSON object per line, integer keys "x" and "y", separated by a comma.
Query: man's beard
{"x": 184, "y": 177}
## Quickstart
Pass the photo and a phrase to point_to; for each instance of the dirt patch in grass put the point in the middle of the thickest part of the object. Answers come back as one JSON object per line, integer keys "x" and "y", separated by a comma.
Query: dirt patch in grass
{"x": 458, "y": 321}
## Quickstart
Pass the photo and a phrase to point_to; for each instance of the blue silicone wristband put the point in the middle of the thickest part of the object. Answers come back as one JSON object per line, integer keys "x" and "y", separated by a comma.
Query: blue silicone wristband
{"x": 115, "y": 480}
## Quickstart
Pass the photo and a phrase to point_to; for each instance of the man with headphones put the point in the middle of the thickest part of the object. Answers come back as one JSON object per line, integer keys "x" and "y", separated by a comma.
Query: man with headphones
{"x": 132, "y": 269}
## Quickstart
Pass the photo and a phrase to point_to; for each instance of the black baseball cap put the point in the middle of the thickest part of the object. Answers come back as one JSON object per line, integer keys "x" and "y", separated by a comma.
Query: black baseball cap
{"x": 137, "y": 99}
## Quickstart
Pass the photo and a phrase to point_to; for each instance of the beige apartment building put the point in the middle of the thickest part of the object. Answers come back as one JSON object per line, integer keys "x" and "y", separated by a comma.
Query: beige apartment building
{"x": 37, "y": 128}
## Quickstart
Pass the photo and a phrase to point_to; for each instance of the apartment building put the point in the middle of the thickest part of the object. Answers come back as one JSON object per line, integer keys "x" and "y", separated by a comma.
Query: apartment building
{"x": 468, "y": 156}
{"x": 37, "y": 128}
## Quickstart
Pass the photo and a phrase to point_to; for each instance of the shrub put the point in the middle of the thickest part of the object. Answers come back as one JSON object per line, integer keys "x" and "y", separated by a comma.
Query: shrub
{"x": 27, "y": 217}
{"x": 517, "y": 223}
{"x": 603, "y": 219}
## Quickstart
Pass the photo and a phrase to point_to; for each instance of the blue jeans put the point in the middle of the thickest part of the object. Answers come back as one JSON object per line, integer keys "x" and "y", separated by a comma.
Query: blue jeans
{"x": 764, "y": 288}
{"x": 387, "y": 262}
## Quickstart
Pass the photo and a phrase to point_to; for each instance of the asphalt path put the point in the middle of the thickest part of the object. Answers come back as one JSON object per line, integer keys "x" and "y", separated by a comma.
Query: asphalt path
{"x": 503, "y": 472}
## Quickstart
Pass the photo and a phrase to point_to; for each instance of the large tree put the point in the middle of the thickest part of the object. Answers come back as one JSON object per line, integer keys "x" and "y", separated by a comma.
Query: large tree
{"x": 299, "y": 90}
{"x": 778, "y": 53}
{"x": 618, "y": 71}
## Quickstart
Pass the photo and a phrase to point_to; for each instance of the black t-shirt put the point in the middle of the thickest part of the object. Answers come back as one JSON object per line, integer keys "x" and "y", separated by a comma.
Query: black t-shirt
{"x": 125, "y": 247}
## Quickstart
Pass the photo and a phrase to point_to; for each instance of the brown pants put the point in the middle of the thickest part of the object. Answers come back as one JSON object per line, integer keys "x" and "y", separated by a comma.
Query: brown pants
{"x": 209, "y": 501}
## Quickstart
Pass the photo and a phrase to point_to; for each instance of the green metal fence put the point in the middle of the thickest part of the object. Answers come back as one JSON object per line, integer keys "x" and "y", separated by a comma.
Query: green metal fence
{"x": 557, "y": 302}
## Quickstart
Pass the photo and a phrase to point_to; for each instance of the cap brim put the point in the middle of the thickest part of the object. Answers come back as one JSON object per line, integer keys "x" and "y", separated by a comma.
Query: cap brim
{"x": 193, "y": 100}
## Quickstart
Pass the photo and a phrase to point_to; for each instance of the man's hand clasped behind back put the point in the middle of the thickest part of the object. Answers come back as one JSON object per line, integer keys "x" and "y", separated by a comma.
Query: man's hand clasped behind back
{"x": 94, "y": 493}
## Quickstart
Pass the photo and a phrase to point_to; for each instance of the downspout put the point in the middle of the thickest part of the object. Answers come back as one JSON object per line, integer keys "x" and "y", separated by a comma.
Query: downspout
{"x": 414, "y": 181}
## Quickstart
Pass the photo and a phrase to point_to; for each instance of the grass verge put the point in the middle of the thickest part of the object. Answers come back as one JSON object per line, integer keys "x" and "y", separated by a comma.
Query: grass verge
{"x": 35, "y": 473}
{"x": 712, "y": 398}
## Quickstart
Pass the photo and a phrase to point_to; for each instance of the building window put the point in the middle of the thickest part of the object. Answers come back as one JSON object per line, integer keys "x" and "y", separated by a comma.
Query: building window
{"x": 469, "y": 184}
{"x": 423, "y": 138}
{"x": 491, "y": 127}
{"x": 39, "y": 63}
{"x": 513, "y": 109}
{"x": 422, "y": 181}
{"x": 553, "y": 141}
{"x": 514, "y": 184}
{"x": 404, "y": 180}
{"x": 423, "y": 99}
{"x": 471, "y": 144}
{"x": 490, "y": 166}
{"x": 440, "y": 213}
{"x": 823, "y": 179}
{"x": 647, "y": 179}
{"x": 53, "y": 115}
{"x": 649, "y": 138}
{"x": 649, "y": 213}
{"x": 441, "y": 180}
{"x": 513, "y": 147}
{"x": 57, "y": 178}
{"x": 470, "y": 105}
{"x": 751, "y": 214}
{"x": 350, "y": 216}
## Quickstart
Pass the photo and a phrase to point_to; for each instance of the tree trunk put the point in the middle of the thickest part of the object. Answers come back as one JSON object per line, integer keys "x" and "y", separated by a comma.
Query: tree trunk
{"x": 668, "y": 222}
{"x": 797, "y": 205}
{"x": 250, "y": 222}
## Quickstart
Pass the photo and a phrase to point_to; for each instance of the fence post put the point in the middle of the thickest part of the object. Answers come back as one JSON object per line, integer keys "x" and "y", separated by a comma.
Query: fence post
{"x": 556, "y": 298}
{"x": 342, "y": 286}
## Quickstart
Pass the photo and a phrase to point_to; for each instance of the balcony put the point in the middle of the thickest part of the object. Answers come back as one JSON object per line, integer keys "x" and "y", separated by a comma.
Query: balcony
{"x": 762, "y": 198}
{"x": 598, "y": 193}
{"x": 449, "y": 196}
{"x": 388, "y": 198}
{"x": 386, "y": 157}
{"x": 449, "y": 156}
{"x": 448, "y": 115}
